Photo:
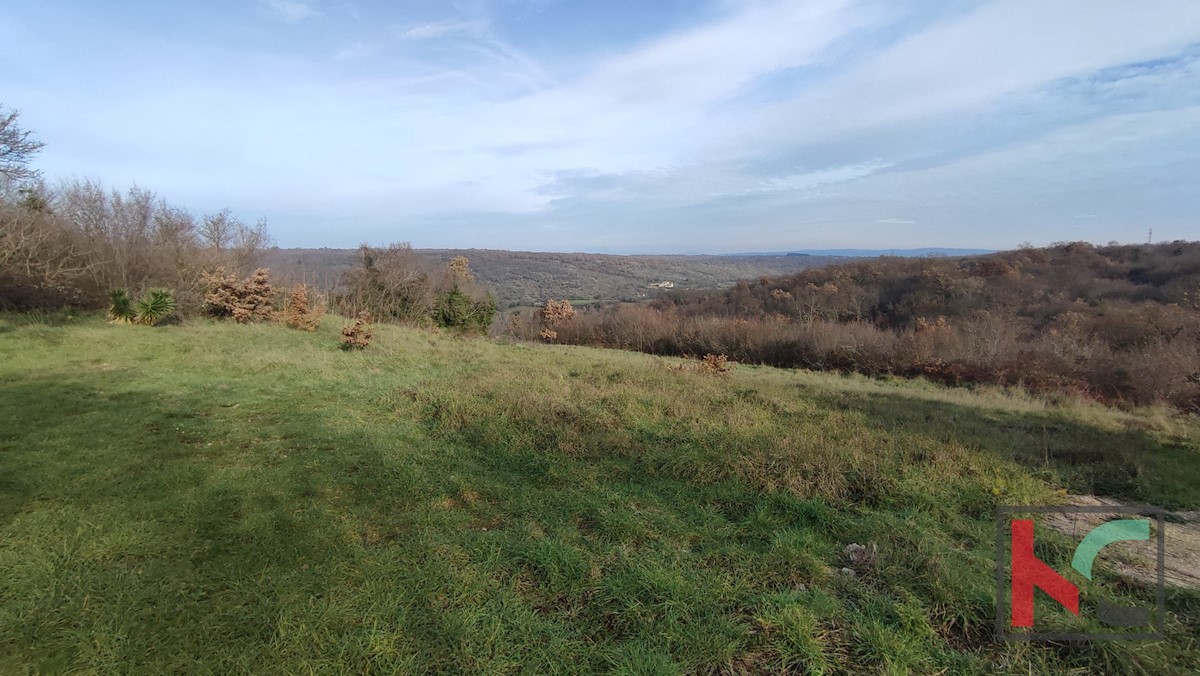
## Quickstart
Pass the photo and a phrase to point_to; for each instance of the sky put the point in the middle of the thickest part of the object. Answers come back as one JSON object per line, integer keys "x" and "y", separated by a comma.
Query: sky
{"x": 629, "y": 126}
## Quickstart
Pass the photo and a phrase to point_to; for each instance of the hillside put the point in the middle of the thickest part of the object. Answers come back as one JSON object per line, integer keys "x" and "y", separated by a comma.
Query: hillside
{"x": 1119, "y": 324}
{"x": 1036, "y": 284}
{"x": 521, "y": 278}
{"x": 247, "y": 498}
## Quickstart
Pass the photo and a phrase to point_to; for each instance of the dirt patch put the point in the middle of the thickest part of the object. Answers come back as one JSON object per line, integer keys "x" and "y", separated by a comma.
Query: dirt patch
{"x": 1134, "y": 560}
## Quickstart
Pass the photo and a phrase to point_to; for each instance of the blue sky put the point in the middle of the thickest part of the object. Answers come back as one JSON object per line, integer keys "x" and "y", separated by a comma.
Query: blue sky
{"x": 623, "y": 126}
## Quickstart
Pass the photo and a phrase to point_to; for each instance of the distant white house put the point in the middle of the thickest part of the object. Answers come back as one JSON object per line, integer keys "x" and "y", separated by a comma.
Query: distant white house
{"x": 665, "y": 285}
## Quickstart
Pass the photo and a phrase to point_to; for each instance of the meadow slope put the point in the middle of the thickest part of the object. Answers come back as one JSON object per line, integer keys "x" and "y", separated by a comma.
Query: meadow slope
{"x": 216, "y": 498}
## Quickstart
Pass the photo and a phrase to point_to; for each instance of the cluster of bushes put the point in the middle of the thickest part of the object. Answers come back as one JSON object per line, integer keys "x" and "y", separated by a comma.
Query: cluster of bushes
{"x": 395, "y": 283}
{"x": 1133, "y": 338}
{"x": 225, "y": 297}
{"x": 248, "y": 300}
{"x": 73, "y": 243}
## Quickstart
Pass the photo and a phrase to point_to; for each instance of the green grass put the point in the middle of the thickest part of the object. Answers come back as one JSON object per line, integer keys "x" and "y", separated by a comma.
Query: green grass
{"x": 216, "y": 498}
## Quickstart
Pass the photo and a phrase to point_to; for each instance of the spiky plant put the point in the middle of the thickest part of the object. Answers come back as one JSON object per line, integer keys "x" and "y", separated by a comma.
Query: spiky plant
{"x": 155, "y": 306}
{"x": 120, "y": 308}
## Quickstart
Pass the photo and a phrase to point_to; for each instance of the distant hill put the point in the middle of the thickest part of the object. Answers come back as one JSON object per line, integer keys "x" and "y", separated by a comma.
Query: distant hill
{"x": 905, "y": 253}
{"x": 522, "y": 278}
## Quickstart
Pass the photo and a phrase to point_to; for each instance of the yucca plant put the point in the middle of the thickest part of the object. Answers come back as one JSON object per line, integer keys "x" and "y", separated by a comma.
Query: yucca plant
{"x": 155, "y": 306}
{"x": 120, "y": 308}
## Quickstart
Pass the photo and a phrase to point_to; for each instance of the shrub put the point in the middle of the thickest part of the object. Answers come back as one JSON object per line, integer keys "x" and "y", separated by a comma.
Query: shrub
{"x": 299, "y": 312}
{"x": 394, "y": 283}
{"x": 120, "y": 308}
{"x": 359, "y": 334}
{"x": 715, "y": 363}
{"x": 456, "y": 310}
{"x": 553, "y": 315}
{"x": 155, "y": 307}
{"x": 249, "y": 300}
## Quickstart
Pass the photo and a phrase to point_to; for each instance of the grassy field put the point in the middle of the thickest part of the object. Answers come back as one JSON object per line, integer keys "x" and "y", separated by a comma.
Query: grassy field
{"x": 221, "y": 498}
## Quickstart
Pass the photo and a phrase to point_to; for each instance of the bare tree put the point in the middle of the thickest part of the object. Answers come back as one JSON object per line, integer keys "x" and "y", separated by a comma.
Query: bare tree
{"x": 42, "y": 260}
{"x": 217, "y": 230}
{"x": 392, "y": 283}
{"x": 248, "y": 244}
{"x": 17, "y": 148}
{"x": 234, "y": 243}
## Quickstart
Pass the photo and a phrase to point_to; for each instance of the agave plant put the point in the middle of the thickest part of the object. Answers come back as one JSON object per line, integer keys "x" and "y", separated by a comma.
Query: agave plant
{"x": 120, "y": 307}
{"x": 155, "y": 306}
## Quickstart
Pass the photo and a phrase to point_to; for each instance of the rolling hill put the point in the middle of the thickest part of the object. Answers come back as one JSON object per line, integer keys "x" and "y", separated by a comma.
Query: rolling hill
{"x": 521, "y": 278}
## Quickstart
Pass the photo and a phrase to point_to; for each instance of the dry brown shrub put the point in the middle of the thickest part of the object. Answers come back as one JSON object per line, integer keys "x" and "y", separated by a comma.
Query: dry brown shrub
{"x": 554, "y": 315}
{"x": 715, "y": 363}
{"x": 556, "y": 312}
{"x": 299, "y": 312}
{"x": 359, "y": 334}
{"x": 248, "y": 300}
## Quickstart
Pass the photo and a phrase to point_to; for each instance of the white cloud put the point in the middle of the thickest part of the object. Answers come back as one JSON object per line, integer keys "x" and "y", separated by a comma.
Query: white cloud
{"x": 292, "y": 11}
{"x": 761, "y": 117}
{"x": 436, "y": 29}
{"x": 971, "y": 61}
{"x": 832, "y": 175}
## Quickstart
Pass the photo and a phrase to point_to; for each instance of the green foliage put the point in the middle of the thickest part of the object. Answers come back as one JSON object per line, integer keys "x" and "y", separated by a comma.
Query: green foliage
{"x": 120, "y": 308}
{"x": 156, "y": 306}
{"x": 456, "y": 310}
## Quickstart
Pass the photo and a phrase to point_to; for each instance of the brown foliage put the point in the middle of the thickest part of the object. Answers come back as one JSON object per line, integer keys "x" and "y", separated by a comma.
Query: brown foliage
{"x": 393, "y": 283}
{"x": 1133, "y": 356}
{"x": 553, "y": 315}
{"x": 43, "y": 262}
{"x": 715, "y": 363}
{"x": 248, "y": 300}
{"x": 358, "y": 335}
{"x": 75, "y": 242}
{"x": 299, "y": 312}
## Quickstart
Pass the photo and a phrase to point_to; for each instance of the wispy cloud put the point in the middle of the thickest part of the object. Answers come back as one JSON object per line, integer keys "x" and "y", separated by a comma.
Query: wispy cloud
{"x": 822, "y": 123}
{"x": 292, "y": 11}
{"x": 435, "y": 29}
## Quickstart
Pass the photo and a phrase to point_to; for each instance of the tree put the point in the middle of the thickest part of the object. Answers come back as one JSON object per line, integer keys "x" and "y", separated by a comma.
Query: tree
{"x": 235, "y": 243}
{"x": 463, "y": 304}
{"x": 17, "y": 148}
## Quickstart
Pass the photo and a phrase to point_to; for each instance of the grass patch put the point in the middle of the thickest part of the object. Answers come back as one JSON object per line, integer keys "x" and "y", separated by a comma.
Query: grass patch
{"x": 219, "y": 498}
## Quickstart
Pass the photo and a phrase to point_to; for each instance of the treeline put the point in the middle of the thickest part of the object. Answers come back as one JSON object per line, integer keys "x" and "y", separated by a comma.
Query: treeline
{"x": 72, "y": 244}
{"x": 1116, "y": 323}
{"x": 78, "y": 244}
